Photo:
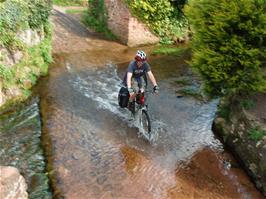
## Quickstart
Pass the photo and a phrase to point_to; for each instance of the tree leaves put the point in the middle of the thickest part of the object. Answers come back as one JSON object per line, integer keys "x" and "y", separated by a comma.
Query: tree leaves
{"x": 229, "y": 44}
{"x": 161, "y": 16}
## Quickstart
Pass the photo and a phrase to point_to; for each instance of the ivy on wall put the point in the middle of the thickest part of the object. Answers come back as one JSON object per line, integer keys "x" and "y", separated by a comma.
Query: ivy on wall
{"x": 164, "y": 17}
{"x": 19, "y": 15}
{"x": 96, "y": 17}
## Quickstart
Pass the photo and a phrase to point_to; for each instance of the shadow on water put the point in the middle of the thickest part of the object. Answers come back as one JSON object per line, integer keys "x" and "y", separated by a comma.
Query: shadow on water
{"x": 97, "y": 152}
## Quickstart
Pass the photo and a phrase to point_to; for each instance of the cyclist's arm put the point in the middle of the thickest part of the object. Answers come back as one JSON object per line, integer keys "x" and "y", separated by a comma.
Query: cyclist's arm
{"x": 152, "y": 78}
{"x": 129, "y": 77}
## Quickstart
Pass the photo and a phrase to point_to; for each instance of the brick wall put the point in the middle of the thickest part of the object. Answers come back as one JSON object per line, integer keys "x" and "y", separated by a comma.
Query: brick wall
{"x": 127, "y": 28}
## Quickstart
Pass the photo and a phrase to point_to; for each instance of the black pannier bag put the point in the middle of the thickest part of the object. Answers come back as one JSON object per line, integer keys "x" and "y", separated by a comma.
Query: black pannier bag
{"x": 123, "y": 97}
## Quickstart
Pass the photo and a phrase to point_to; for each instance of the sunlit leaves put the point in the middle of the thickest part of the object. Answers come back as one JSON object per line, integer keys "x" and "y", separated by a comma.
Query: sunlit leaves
{"x": 229, "y": 44}
{"x": 18, "y": 15}
{"x": 161, "y": 16}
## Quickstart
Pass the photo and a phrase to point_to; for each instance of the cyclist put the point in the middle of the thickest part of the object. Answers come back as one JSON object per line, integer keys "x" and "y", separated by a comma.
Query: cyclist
{"x": 136, "y": 77}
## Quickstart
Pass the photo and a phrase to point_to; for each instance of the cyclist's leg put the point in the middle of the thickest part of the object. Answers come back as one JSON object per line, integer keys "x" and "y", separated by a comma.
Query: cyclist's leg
{"x": 134, "y": 85}
{"x": 142, "y": 84}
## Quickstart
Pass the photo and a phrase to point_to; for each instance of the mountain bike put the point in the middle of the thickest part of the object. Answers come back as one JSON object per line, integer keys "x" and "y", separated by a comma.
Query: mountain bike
{"x": 139, "y": 109}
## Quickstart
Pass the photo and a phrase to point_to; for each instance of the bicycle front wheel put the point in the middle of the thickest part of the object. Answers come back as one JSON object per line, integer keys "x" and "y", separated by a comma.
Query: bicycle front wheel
{"x": 145, "y": 122}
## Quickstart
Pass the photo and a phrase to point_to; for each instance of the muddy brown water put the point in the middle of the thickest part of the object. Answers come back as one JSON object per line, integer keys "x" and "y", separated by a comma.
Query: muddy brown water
{"x": 95, "y": 149}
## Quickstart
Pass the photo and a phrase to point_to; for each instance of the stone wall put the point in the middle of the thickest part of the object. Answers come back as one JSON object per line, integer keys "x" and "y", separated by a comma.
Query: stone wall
{"x": 126, "y": 27}
{"x": 12, "y": 184}
{"x": 29, "y": 37}
{"x": 10, "y": 57}
{"x": 251, "y": 154}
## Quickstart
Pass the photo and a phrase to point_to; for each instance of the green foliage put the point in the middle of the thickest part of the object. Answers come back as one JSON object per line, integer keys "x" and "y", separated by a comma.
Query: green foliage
{"x": 191, "y": 92}
{"x": 18, "y": 15}
{"x": 37, "y": 59}
{"x": 46, "y": 46}
{"x": 47, "y": 29}
{"x": 13, "y": 14}
{"x": 179, "y": 4}
{"x": 34, "y": 63}
{"x": 247, "y": 104}
{"x": 256, "y": 134}
{"x": 224, "y": 111}
{"x": 161, "y": 16}
{"x": 9, "y": 39}
{"x": 69, "y": 2}
{"x": 75, "y": 11}
{"x": 229, "y": 44}
{"x": 96, "y": 18}
{"x": 98, "y": 11}
{"x": 6, "y": 73}
{"x": 45, "y": 51}
{"x": 168, "y": 50}
{"x": 39, "y": 12}
{"x": 183, "y": 81}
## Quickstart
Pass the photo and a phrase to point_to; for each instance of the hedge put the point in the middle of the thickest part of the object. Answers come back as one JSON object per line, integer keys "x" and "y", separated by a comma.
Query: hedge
{"x": 229, "y": 44}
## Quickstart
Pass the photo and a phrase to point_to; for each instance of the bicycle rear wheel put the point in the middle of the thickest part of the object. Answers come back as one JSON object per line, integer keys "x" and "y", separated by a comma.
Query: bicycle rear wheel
{"x": 145, "y": 122}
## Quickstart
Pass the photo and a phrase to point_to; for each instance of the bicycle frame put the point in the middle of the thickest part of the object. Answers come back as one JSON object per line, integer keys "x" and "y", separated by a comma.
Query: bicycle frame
{"x": 140, "y": 102}
{"x": 140, "y": 111}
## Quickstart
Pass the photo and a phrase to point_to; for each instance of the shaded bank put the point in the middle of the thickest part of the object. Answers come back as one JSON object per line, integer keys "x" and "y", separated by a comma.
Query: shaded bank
{"x": 241, "y": 130}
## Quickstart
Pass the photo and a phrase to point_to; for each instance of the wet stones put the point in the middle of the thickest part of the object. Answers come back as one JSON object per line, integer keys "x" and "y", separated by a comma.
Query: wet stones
{"x": 12, "y": 184}
{"x": 253, "y": 167}
{"x": 101, "y": 179}
{"x": 251, "y": 153}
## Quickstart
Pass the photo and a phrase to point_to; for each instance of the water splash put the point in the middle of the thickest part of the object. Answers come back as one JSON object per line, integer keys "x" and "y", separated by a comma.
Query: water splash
{"x": 102, "y": 85}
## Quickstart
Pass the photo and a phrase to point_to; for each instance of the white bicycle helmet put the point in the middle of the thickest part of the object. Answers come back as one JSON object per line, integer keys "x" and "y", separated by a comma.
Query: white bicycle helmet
{"x": 140, "y": 56}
